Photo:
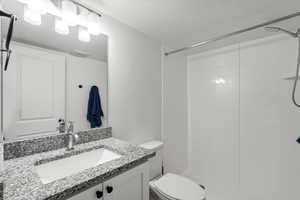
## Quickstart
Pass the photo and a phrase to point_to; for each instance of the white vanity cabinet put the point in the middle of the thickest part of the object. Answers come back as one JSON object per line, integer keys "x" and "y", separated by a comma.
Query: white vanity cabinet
{"x": 130, "y": 185}
{"x": 93, "y": 193}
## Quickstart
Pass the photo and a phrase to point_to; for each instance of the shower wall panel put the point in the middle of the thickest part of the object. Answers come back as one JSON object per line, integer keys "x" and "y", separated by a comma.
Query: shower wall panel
{"x": 243, "y": 126}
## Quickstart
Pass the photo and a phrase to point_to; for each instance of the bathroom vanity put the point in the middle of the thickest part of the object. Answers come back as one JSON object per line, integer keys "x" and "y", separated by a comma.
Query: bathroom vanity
{"x": 131, "y": 185}
{"x": 120, "y": 173}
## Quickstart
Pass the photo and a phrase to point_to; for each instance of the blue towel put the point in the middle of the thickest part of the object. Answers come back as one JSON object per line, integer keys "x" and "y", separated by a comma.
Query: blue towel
{"x": 94, "y": 108}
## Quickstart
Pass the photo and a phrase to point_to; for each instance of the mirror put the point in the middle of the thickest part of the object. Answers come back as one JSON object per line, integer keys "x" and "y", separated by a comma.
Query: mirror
{"x": 52, "y": 68}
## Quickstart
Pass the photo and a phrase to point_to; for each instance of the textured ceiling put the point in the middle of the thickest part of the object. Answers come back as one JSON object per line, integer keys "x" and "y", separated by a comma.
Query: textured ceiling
{"x": 181, "y": 22}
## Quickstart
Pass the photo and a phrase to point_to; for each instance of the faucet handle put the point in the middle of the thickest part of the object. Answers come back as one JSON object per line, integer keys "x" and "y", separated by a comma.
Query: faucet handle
{"x": 71, "y": 123}
{"x": 76, "y": 138}
{"x": 70, "y": 126}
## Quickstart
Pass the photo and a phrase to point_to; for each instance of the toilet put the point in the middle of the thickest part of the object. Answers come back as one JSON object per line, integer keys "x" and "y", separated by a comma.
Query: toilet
{"x": 170, "y": 186}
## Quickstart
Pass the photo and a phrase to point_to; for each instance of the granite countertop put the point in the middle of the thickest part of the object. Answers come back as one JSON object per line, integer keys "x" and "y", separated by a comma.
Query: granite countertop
{"x": 21, "y": 182}
{"x": 1, "y": 190}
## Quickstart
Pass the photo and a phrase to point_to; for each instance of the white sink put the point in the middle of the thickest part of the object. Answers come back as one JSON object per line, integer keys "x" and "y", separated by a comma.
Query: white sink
{"x": 64, "y": 167}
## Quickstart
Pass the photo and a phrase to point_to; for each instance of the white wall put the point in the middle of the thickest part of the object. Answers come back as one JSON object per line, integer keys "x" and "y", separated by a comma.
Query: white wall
{"x": 134, "y": 83}
{"x": 86, "y": 72}
{"x": 269, "y": 123}
{"x": 175, "y": 134}
{"x": 213, "y": 121}
{"x": 243, "y": 133}
{"x": 33, "y": 91}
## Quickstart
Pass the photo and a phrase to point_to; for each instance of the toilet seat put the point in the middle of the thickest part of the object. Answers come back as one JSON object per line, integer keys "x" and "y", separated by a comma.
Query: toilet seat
{"x": 175, "y": 187}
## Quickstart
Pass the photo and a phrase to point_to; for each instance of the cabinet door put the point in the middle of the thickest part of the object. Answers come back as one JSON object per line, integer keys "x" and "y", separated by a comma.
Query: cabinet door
{"x": 93, "y": 193}
{"x": 131, "y": 185}
{"x": 33, "y": 91}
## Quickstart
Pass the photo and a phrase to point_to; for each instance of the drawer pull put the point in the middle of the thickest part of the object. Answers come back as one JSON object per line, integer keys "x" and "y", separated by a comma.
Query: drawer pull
{"x": 109, "y": 189}
{"x": 99, "y": 194}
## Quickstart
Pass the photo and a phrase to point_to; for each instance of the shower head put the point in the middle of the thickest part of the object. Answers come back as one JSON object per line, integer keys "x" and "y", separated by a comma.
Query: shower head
{"x": 278, "y": 29}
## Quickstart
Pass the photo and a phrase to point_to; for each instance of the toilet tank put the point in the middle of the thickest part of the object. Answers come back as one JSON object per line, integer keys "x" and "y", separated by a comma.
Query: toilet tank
{"x": 156, "y": 162}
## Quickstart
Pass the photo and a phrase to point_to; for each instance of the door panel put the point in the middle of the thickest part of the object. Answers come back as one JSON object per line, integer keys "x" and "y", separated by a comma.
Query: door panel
{"x": 124, "y": 188}
{"x": 34, "y": 91}
{"x": 131, "y": 185}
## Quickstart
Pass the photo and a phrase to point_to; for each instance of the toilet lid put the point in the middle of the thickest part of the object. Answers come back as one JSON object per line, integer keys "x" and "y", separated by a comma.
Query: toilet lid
{"x": 179, "y": 187}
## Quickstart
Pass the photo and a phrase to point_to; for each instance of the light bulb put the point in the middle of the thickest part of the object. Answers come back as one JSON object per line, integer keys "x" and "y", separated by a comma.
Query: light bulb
{"x": 93, "y": 25}
{"x": 220, "y": 81}
{"x": 32, "y": 17}
{"x": 83, "y": 35}
{"x": 69, "y": 12}
{"x": 83, "y": 17}
{"x": 24, "y": 1}
{"x": 39, "y": 6}
{"x": 94, "y": 28}
{"x": 61, "y": 27}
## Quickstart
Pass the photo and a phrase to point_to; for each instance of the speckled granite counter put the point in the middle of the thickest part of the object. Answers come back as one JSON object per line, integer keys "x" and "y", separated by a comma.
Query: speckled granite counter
{"x": 1, "y": 190}
{"x": 1, "y": 168}
{"x": 21, "y": 182}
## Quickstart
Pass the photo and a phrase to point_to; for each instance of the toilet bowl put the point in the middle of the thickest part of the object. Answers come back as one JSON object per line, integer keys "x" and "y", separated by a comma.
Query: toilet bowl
{"x": 170, "y": 186}
{"x": 174, "y": 187}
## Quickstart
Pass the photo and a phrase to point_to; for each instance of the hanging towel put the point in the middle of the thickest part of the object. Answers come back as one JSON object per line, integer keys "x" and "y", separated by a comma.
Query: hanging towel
{"x": 95, "y": 112}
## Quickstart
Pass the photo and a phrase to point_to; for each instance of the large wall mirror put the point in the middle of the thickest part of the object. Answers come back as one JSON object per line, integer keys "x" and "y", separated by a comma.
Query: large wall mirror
{"x": 54, "y": 71}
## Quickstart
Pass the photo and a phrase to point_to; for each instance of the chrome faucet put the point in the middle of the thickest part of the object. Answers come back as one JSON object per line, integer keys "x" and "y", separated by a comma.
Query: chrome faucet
{"x": 72, "y": 137}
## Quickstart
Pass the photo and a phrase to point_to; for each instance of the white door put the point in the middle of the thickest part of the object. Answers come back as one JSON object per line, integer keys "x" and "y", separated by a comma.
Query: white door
{"x": 34, "y": 91}
{"x": 131, "y": 185}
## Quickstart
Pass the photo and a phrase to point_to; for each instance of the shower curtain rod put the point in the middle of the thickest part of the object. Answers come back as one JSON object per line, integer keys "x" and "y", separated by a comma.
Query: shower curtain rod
{"x": 85, "y": 7}
{"x": 204, "y": 43}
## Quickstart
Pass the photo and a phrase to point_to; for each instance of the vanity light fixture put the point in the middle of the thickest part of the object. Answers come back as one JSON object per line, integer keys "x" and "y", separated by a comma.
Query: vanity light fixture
{"x": 33, "y": 11}
{"x": 61, "y": 27}
{"x": 69, "y": 12}
{"x": 93, "y": 25}
{"x": 31, "y": 16}
{"x": 83, "y": 14}
{"x": 38, "y": 6}
{"x": 90, "y": 19}
{"x": 24, "y": 1}
{"x": 83, "y": 35}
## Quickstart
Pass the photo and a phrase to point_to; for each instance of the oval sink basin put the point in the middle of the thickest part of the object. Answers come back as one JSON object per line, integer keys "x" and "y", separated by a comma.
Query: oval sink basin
{"x": 65, "y": 167}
